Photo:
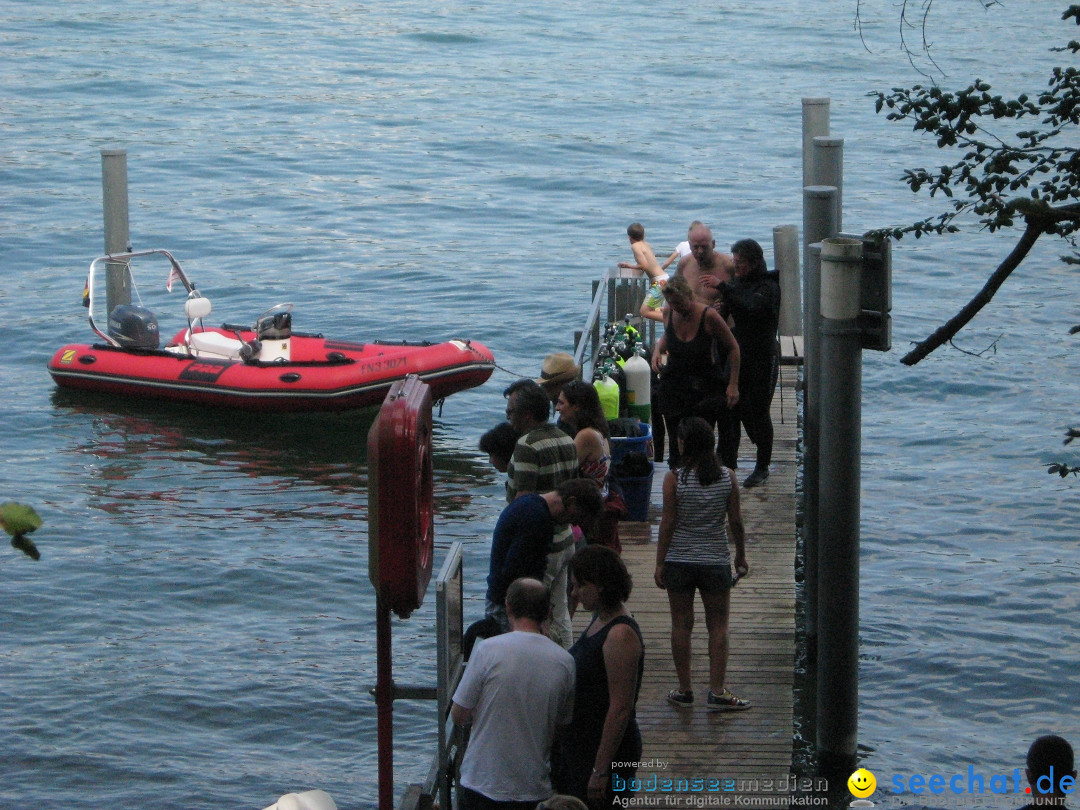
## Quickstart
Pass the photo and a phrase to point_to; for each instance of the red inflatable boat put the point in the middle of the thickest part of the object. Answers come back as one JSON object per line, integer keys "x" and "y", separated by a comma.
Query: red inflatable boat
{"x": 265, "y": 367}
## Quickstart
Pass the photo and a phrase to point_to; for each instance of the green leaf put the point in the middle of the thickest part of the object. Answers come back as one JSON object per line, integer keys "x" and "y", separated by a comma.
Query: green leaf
{"x": 18, "y": 518}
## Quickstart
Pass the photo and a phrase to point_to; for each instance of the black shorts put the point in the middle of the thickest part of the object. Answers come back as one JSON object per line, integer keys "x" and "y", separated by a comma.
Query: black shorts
{"x": 682, "y": 577}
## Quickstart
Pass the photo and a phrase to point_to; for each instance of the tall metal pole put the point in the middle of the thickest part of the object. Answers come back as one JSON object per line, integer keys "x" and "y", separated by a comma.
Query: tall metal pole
{"x": 815, "y": 122}
{"x": 384, "y": 703}
{"x": 819, "y": 222}
{"x": 839, "y": 506}
{"x": 114, "y": 197}
{"x": 786, "y": 262}
{"x": 829, "y": 171}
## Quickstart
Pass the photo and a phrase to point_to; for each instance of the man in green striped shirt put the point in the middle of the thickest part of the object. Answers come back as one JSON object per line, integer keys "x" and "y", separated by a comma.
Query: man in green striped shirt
{"x": 543, "y": 458}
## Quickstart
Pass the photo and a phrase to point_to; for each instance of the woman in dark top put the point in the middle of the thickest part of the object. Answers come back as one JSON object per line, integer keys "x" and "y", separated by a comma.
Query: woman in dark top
{"x": 603, "y": 739}
{"x": 692, "y": 381}
{"x": 752, "y": 301}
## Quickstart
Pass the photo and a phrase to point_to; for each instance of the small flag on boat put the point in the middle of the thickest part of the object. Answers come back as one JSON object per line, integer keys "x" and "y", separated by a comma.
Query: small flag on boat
{"x": 173, "y": 276}
{"x": 86, "y": 293}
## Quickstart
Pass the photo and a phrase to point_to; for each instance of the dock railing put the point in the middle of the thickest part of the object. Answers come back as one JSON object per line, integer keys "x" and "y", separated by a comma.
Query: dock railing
{"x": 437, "y": 787}
{"x": 623, "y": 295}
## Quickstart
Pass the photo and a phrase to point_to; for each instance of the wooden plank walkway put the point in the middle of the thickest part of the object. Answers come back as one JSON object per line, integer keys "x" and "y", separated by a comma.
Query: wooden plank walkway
{"x": 752, "y": 748}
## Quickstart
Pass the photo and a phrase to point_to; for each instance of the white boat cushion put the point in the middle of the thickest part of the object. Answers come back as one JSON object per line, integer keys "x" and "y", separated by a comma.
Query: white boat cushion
{"x": 214, "y": 343}
{"x": 196, "y": 308}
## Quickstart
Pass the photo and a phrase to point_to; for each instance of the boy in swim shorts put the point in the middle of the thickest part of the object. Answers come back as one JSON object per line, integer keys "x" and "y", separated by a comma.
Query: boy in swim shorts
{"x": 646, "y": 262}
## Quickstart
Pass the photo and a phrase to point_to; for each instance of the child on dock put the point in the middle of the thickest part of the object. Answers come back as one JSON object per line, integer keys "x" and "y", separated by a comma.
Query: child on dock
{"x": 645, "y": 261}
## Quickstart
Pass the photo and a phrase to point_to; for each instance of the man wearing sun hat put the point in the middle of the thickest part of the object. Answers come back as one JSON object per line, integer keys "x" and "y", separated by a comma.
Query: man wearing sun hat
{"x": 557, "y": 370}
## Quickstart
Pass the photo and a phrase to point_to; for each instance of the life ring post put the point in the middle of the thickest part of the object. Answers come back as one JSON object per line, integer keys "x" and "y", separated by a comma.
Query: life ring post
{"x": 401, "y": 537}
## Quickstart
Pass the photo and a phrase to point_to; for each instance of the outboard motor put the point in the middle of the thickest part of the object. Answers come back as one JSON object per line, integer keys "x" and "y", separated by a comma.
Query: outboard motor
{"x": 274, "y": 333}
{"x": 133, "y": 327}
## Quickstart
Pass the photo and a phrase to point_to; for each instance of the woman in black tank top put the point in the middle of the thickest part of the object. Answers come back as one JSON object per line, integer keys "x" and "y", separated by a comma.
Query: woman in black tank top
{"x": 595, "y": 757}
{"x": 692, "y": 384}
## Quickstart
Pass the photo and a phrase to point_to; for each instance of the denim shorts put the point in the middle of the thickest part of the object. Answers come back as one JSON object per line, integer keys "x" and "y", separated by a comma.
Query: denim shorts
{"x": 681, "y": 577}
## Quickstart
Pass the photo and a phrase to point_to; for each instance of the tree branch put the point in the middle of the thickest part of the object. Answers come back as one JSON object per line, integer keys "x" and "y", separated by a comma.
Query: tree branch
{"x": 944, "y": 333}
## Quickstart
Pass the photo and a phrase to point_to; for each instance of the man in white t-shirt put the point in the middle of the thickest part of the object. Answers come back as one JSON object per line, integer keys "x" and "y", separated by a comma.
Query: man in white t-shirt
{"x": 682, "y": 250}
{"x": 516, "y": 689}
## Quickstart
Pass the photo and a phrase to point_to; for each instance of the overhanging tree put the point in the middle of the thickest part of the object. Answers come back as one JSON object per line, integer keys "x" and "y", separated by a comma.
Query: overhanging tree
{"x": 1011, "y": 173}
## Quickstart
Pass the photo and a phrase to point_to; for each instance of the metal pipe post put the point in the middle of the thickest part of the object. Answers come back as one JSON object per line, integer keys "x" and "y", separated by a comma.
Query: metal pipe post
{"x": 786, "y": 262}
{"x": 819, "y": 222}
{"x": 838, "y": 507}
{"x": 829, "y": 171}
{"x": 815, "y": 122}
{"x": 384, "y": 703}
{"x": 114, "y": 197}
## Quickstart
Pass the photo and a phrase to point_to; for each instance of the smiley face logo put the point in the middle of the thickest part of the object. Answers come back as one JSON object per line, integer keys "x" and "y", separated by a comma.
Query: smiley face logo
{"x": 862, "y": 783}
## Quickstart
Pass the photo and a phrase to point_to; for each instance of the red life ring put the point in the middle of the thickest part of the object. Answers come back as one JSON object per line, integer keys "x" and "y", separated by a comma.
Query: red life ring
{"x": 401, "y": 506}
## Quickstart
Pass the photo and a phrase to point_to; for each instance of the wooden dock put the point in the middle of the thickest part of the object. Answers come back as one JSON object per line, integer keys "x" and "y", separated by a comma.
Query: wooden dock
{"x": 739, "y": 758}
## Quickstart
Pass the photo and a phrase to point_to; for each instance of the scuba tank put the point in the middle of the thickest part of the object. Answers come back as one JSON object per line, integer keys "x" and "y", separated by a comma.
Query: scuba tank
{"x": 619, "y": 376}
{"x": 608, "y": 391}
{"x": 630, "y": 339}
{"x": 638, "y": 387}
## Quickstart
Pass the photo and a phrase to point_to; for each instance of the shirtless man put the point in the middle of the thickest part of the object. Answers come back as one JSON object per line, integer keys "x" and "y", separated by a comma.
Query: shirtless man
{"x": 682, "y": 250}
{"x": 645, "y": 260}
{"x": 704, "y": 268}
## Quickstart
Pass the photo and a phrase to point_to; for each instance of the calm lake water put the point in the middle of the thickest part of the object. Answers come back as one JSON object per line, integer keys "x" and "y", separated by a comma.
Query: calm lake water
{"x": 199, "y": 631}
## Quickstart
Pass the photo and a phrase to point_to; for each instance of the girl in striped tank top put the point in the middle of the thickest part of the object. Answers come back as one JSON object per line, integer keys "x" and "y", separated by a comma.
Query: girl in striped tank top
{"x": 701, "y": 503}
{"x": 583, "y": 418}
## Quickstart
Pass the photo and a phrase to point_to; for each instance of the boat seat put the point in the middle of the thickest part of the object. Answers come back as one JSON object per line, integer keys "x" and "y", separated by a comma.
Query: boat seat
{"x": 197, "y": 308}
{"x": 214, "y": 343}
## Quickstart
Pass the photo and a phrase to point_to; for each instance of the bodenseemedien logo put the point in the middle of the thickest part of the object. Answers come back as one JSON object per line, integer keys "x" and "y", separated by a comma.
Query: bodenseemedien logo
{"x": 862, "y": 784}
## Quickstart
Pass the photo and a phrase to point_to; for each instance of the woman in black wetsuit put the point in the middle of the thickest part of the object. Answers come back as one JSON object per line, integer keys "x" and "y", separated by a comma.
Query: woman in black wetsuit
{"x": 596, "y": 755}
{"x": 692, "y": 382}
{"x": 752, "y": 301}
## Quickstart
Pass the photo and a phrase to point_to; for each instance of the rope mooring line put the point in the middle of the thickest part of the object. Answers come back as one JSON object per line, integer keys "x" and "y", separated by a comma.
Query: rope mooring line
{"x": 514, "y": 374}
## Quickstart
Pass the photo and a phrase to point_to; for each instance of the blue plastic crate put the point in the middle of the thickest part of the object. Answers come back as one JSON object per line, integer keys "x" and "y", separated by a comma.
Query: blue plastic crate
{"x": 637, "y": 492}
{"x": 621, "y": 445}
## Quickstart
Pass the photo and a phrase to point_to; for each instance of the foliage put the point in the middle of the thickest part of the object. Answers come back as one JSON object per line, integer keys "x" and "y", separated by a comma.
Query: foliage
{"x": 19, "y": 520}
{"x": 1018, "y": 164}
{"x": 1061, "y": 469}
{"x": 913, "y": 18}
